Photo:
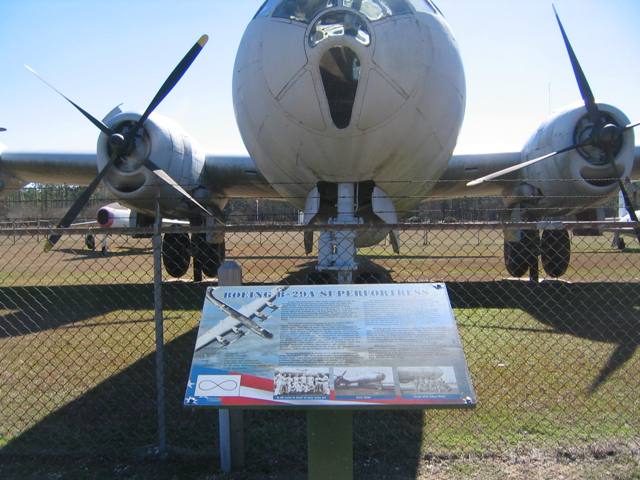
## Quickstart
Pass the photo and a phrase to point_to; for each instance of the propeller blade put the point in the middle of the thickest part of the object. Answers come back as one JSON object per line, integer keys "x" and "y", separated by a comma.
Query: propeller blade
{"x": 103, "y": 128}
{"x": 628, "y": 204}
{"x": 583, "y": 84}
{"x": 165, "y": 177}
{"x": 78, "y": 205}
{"x": 171, "y": 81}
{"x": 520, "y": 166}
{"x": 631, "y": 127}
{"x": 3, "y": 129}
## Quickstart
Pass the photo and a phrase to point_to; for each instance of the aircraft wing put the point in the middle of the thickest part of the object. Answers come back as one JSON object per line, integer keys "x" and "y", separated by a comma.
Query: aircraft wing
{"x": 226, "y": 176}
{"x": 465, "y": 168}
{"x": 225, "y": 332}
{"x": 236, "y": 177}
{"x": 20, "y": 168}
{"x": 254, "y": 309}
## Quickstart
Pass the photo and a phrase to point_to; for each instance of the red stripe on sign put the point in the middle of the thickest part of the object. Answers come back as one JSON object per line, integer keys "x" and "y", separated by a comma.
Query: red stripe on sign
{"x": 257, "y": 382}
{"x": 244, "y": 401}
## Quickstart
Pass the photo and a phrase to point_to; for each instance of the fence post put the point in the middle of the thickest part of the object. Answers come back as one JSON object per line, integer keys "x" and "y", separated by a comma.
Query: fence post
{"x": 231, "y": 422}
{"x": 159, "y": 321}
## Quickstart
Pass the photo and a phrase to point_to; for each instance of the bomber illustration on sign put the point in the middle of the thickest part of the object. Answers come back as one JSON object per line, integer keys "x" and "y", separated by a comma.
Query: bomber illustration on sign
{"x": 238, "y": 320}
{"x": 338, "y": 99}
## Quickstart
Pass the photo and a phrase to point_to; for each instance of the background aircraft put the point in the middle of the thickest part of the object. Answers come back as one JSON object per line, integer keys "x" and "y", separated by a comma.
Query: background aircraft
{"x": 351, "y": 109}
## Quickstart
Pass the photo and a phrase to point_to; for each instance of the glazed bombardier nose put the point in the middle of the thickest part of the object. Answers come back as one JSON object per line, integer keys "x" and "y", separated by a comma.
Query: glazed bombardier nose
{"x": 339, "y": 23}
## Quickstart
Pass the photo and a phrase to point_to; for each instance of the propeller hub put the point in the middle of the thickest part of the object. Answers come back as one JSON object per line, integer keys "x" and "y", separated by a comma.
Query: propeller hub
{"x": 599, "y": 143}
{"x": 609, "y": 135}
{"x": 117, "y": 142}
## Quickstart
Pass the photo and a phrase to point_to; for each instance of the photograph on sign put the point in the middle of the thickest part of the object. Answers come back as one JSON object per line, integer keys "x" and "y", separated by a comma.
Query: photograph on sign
{"x": 360, "y": 346}
{"x": 364, "y": 383}
{"x": 421, "y": 382}
{"x": 295, "y": 383}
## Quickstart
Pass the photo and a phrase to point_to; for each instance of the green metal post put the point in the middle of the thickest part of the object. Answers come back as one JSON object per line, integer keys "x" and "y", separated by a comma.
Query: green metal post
{"x": 330, "y": 445}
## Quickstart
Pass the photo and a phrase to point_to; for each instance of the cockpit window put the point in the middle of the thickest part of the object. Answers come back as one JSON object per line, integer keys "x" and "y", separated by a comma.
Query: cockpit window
{"x": 298, "y": 10}
{"x": 423, "y": 6}
{"x": 305, "y": 10}
{"x": 378, "y": 9}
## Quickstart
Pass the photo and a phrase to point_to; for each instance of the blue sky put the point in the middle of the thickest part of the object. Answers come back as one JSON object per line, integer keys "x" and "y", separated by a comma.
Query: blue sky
{"x": 104, "y": 53}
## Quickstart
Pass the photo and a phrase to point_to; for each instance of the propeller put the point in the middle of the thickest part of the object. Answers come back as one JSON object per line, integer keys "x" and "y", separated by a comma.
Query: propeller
{"x": 604, "y": 135}
{"x": 3, "y": 129}
{"x": 124, "y": 143}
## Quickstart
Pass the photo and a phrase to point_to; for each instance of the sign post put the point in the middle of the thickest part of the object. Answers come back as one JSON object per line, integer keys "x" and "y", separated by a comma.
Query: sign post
{"x": 330, "y": 445}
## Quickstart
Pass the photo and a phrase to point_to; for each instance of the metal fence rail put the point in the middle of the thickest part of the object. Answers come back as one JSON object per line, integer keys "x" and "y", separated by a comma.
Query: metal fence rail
{"x": 553, "y": 362}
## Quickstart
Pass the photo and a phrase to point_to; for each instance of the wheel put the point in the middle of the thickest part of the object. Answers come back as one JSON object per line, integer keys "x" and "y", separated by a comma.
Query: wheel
{"x": 620, "y": 243}
{"x": 90, "y": 242}
{"x": 176, "y": 254}
{"x": 555, "y": 250}
{"x": 210, "y": 255}
{"x": 520, "y": 256}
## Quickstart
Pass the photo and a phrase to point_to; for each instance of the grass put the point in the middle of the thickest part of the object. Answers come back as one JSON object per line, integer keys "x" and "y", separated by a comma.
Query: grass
{"x": 554, "y": 366}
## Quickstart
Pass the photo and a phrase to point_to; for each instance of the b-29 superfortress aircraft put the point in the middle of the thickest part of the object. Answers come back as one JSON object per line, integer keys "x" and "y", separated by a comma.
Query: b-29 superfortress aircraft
{"x": 239, "y": 321}
{"x": 350, "y": 110}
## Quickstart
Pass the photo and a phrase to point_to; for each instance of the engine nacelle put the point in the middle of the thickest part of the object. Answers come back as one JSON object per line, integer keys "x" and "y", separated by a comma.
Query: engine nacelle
{"x": 169, "y": 147}
{"x": 578, "y": 179}
{"x": 112, "y": 217}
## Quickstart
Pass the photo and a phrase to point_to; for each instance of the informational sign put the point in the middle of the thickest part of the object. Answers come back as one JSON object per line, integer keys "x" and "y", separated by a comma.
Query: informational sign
{"x": 349, "y": 346}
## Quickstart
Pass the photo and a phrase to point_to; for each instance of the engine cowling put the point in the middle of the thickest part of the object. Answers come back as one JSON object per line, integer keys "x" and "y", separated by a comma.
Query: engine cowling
{"x": 169, "y": 147}
{"x": 578, "y": 179}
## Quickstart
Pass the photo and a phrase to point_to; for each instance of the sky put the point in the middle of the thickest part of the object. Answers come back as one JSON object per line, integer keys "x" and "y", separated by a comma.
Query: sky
{"x": 103, "y": 53}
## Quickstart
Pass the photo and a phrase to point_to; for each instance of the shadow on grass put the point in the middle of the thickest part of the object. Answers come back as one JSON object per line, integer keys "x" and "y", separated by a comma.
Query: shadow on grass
{"x": 82, "y": 254}
{"x": 117, "y": 417}
{"x": 602, "y": 312}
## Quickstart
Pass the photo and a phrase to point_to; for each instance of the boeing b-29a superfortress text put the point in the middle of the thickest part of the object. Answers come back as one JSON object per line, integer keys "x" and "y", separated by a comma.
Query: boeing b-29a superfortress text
{"x": 350, "y": 110}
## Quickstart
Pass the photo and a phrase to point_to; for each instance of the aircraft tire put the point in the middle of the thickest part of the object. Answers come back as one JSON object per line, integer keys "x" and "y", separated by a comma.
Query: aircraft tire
{"x": 210, "y": 255}
{"x": 90, "y": 242}
{"x": 519, "y": 256}
{"x": 176, "y": 254}
{"x": 555, "y": 252}
{"x": 620, "y": 243}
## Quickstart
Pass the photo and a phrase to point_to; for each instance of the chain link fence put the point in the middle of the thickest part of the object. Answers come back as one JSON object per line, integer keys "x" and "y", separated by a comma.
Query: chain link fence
{"x": 554, "y": 363}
